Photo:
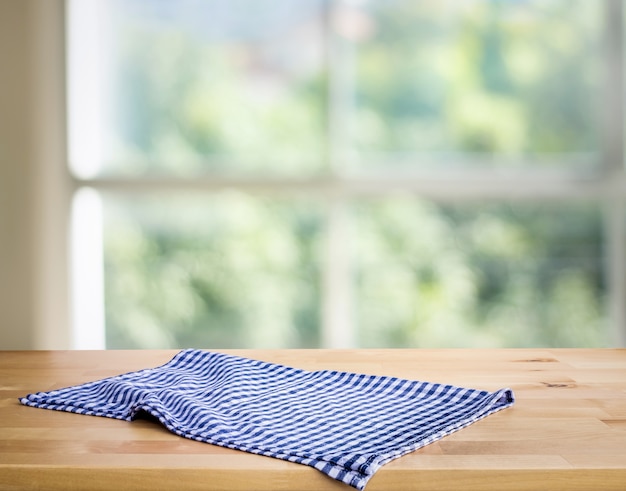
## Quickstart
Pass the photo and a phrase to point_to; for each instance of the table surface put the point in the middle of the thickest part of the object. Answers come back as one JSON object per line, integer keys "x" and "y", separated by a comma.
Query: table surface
{"x": 566, "y": 431}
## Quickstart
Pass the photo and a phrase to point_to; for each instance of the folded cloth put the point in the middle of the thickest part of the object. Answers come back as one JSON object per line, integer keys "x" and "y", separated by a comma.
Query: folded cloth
{"x": 346, "y": 425}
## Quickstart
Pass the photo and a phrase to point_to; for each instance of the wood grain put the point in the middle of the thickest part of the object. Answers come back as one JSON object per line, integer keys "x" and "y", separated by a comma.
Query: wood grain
{"x": 566, "y": 431}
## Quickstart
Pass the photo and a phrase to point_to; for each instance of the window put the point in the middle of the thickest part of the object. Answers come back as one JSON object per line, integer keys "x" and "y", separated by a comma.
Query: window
{"x": 347, "y": 173}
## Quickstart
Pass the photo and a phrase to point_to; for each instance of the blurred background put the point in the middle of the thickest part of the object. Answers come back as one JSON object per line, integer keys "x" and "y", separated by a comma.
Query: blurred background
{"x": 320, "y": 173}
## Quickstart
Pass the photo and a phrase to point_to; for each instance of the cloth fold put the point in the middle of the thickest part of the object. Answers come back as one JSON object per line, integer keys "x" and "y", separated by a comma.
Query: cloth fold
{"x": 346, "y": 425}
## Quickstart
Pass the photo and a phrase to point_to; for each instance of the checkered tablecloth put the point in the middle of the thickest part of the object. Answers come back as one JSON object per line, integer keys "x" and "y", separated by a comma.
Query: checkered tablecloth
{"x": 346, "y": 425}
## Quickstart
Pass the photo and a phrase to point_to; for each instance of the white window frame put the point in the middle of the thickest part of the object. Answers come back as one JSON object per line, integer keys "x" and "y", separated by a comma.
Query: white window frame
{"x": 607, "y": 187}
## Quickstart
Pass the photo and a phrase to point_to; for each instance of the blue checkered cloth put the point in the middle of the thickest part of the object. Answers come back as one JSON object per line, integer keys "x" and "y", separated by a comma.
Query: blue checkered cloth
{"x": 346, "y": 425}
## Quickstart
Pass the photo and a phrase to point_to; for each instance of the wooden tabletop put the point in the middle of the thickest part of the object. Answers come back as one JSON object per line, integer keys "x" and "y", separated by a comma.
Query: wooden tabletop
{"x": 566, "y": 431}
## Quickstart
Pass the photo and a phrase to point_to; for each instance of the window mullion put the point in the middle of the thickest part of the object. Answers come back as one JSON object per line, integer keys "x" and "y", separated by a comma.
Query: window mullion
{"x": 338, "y": 330}
{"x": 615, "y": 205}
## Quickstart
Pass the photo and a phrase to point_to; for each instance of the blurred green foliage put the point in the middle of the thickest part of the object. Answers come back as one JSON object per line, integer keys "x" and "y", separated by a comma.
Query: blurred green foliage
{"x": 489, "y": 275}
{"x": 487, "y": 81}
{"x": 499, "y": 78}
{"x": 225, "y": 270}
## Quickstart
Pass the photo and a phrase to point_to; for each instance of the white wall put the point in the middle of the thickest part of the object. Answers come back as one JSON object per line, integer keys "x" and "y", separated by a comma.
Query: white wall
{"x": 33, "y": 182}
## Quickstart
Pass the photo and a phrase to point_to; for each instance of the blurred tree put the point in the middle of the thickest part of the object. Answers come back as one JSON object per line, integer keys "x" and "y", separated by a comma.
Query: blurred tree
{"x": 490, "y": 78}
{"x": 220, "y": 271}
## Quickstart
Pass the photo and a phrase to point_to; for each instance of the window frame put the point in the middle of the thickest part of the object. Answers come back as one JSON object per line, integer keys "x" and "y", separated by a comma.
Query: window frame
{"x": 606, "y": 186}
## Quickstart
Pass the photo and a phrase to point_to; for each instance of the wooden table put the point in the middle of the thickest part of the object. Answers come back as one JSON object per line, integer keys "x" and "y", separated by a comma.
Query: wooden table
{"x": 566, "y": 431}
